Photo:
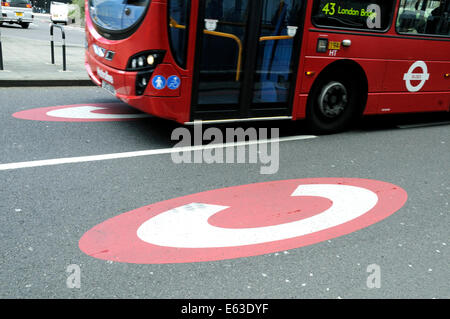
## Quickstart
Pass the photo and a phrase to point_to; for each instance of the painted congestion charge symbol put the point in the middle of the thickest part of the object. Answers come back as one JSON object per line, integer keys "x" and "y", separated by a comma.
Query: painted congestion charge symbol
{"x": 82, "y": 113}
{"x": 243, "y": 221}
{"x": 411, "y": 76}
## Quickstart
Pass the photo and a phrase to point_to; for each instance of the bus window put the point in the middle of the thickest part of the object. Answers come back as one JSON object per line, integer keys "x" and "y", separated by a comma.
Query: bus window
{"x": 178, "y": 29}
{"x": 351, "y": 14}
{"x": 117, "y": 15}
{"x": 274, "y": 64}
{"x": 424, "y": 17}
{"x": 223, "y": 40}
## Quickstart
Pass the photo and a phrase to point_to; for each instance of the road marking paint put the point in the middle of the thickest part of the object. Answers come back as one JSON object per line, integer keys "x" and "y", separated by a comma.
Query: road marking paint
{"x": 111, "y": 156}
{"x": 87, "y": 112}
{"x": 234, "y": 222}
{"x": 187, "y": 226}
{"x": 98, "y": 112}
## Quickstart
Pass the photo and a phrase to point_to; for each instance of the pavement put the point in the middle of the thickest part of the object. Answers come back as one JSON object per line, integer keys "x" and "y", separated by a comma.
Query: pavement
{"x": 28, "y": 62}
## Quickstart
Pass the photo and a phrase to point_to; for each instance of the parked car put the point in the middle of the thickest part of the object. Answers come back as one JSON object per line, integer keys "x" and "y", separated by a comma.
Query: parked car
{"x": 16, "y": 11}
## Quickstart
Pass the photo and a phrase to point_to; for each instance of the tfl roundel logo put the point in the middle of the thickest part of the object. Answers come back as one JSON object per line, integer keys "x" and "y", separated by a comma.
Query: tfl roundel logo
{"x": 421, "y": 77}
{"x": 243, "y": 221}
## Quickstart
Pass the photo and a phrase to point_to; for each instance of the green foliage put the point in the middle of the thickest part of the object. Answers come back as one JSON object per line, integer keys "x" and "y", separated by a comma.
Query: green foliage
{"x": 80, "y": 3}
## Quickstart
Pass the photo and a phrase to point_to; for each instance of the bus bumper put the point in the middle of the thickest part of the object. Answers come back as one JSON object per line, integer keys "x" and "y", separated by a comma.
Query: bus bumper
{"x": 166, "y": 104}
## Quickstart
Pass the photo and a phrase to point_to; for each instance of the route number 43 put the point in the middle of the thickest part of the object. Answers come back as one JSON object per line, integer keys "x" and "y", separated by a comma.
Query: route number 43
{"x": 329, "y": 8}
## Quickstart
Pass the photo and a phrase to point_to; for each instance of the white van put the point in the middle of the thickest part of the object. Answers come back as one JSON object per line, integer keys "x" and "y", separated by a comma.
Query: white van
{"x": 16, "y": 11}
{"x": 59, "y": 12}
{"x": 64, "y": 12}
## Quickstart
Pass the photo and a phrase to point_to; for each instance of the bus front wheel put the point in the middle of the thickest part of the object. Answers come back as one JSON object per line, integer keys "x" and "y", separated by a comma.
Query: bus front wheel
{"x": 333, "y": 104}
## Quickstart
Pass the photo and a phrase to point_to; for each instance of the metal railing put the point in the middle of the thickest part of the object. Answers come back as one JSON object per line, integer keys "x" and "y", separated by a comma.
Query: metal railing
{"x": 52, "y": 44}
{"x": 1, "y": 53}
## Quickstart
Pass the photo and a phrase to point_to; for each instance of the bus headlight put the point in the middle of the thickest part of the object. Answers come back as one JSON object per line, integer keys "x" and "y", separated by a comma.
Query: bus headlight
{"x": 144, "y": 63}
{"x": 140, "y": 61}
{"x": 146, "y": 60}
{"x": 151, "y": 59}
{"x": 142, "y": 79}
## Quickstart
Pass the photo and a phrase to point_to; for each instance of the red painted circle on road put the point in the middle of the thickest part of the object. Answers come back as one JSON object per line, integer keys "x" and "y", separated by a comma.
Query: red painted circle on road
{"x": 243, "y": 221}
{"x": 97, "y": 112}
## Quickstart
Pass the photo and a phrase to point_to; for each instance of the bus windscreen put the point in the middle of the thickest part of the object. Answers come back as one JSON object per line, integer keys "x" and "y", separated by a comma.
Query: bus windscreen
{"x": 117, "y": 15}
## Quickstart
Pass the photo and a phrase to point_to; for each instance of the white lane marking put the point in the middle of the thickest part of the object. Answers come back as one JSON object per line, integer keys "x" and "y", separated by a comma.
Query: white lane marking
{"x": 86, "y": 112}
{"x": 103, "y": 157}
{"x": 187, "y": 226}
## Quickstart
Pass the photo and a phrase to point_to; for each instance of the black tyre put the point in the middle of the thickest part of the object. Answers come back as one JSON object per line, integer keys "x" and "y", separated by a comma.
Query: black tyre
{"x": 334, "y": 103}
{"x": 25, "y": 25}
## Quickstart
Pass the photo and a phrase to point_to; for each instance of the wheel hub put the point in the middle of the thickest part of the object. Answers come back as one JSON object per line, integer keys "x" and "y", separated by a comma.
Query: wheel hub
{"x": 333, "y": 99}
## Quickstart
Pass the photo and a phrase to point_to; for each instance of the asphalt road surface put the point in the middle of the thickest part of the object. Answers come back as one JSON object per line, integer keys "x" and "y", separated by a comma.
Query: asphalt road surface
{"x": 40, "y": 30}
{"x": 46, "y": 209}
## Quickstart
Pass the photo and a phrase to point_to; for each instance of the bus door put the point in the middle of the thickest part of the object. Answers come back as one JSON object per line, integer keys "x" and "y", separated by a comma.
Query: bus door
{"x": 246, "y": 58}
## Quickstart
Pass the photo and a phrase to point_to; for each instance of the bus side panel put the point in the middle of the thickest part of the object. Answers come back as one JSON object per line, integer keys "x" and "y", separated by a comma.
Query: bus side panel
{"x": 417, "y": 67}
{"x": 394, "y": 80}
{"x": 415, "y": 89}
{"x": 385, "y": 61}
{"x": 375, "y": 68}
{"x": 413, "y": 102}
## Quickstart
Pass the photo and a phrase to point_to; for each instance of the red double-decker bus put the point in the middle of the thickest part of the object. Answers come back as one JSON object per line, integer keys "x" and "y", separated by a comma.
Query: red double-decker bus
{"x": 326, "y": 61}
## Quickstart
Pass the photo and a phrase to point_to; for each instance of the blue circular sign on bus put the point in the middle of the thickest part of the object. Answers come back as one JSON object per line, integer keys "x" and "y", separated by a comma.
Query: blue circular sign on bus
{"x": 173, "y": 82}
{"x": 159, "y": 82}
